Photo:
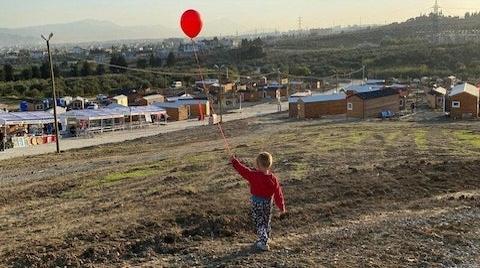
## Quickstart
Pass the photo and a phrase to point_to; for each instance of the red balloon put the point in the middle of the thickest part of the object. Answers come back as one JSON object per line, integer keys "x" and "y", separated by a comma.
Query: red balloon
{"x": 191, "y": 23}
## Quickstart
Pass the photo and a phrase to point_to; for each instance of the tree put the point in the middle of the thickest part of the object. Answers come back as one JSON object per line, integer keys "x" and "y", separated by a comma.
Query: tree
{"x": 86, "y": 69}
{"x": 146, "y": 84}
{"x": 35, "y": 72}
{"x": 142, "y": 63}
{"x": 171, "y": 60}
{"x": 56, "y": 71}
{"x": 118, "y": 60}
{"x": 33, "y": 93}
{"x": 101, "y": 69}
{"x": 8, "y": 72}
{"x": 27, "y": 74}
{"x": 45, "y": 70}
{"x": 74, "y": 71}
{"x": 301, "y": 70}
{"x": 250, "y": 49}
{"x": 20, "y": 88}
{"x": 155, "y": 61}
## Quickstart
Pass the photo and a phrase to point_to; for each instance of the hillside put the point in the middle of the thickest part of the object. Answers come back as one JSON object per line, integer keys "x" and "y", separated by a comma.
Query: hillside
{"x": 410, "y": 31}
{"x": 377, "y": 194}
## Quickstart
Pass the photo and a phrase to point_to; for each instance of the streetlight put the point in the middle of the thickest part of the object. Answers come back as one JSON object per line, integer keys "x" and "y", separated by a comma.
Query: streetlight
{"x": 220, "y": 91}
{"x": 53, "y": 89}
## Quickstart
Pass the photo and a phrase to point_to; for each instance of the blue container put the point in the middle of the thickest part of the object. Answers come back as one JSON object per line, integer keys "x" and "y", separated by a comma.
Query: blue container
{"x": 24, "y": 106}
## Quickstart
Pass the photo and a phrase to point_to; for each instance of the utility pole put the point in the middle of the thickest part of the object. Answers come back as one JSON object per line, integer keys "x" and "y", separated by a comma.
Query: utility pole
{"x": 436, "y": 8}
{"x": 220, "y": 89}
{"x": 221, "y": 102}
{"x": 53, "y": 89}
{"x": 336, "y": 79}
{"x": 363, "y": 74}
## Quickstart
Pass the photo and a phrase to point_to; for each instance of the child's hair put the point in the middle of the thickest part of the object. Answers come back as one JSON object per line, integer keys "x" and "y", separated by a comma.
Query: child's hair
{"x": 265, "y": 160}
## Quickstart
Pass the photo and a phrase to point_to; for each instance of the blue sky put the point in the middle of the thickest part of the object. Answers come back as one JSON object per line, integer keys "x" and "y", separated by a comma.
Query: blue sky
{"x": 247, "y": 15}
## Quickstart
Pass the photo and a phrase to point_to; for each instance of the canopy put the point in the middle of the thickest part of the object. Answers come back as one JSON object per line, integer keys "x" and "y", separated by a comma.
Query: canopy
{"x": 26, "y": 118}
{"x": 98, "y": 114}
{"x": 113, "y": 111}
{"x": 138, "y": 110}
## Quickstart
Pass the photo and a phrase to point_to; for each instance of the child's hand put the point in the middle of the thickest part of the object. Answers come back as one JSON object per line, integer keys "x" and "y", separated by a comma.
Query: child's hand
{"x": 282, "y": 215}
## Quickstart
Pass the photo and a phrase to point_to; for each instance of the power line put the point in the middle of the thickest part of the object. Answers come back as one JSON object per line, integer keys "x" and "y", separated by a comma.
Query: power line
{"x": 172, "y": 73}
{"x": 327, "y": 77}
{"x": 150, "y": 71}
{"x": 190, "y": 74}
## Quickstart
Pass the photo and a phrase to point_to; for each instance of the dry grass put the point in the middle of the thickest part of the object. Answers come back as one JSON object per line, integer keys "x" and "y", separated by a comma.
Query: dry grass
{"x": 358, "y": 194}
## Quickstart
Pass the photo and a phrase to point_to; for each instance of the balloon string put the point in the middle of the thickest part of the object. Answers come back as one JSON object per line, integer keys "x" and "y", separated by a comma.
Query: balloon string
{"x": 200, "y": 73}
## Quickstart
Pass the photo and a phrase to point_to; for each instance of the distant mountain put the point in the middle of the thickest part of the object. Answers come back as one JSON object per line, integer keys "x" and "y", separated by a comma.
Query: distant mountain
{"x": 82, "y": 31}
{"x": 8, "y": 39}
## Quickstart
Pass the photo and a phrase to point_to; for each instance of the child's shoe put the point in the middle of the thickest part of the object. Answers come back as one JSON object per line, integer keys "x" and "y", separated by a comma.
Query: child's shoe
{"x": 262, "y": 247}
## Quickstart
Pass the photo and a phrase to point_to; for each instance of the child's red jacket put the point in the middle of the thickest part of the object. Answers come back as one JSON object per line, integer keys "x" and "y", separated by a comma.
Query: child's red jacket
{"x": 261, "y": 185}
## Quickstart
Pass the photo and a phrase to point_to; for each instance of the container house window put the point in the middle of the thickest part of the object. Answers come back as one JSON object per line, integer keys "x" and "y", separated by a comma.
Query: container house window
{"x": 350, "y": 106}
{"x": 455, "y": 104}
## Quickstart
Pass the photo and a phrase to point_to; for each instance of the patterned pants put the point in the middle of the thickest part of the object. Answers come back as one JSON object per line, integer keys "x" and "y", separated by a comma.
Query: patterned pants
{"x": 262, "y": 216}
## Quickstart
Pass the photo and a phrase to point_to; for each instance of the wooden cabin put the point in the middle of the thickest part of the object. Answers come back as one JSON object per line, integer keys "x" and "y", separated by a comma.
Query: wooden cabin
{"x": 317, "y": 106}
{"x": 149, "y": 100}
{"x": 175, "y": 111}
{"x": 371, "y": 104}
{"x": 436, "y": 98}
{"x": 463, "y": 101}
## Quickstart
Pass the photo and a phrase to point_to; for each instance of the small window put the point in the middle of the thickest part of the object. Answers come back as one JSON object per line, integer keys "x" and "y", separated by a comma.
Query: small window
{"x": 350, "y": 106}
{"x": 455, "y": 104}
{"x": 401, "y": 102}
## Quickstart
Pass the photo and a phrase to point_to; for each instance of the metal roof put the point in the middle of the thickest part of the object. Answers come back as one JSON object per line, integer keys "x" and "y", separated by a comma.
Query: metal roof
{"x": 440, "y": 90}
{"x": 97, "y": 114}
{"x": 181, "y": 97}
{"x": 154, "y": 96}
{"x": 465, "y": 88}
{"x": 377, "y": 94}
{"x": 363, "y": 88}
{"x": 192, "y": 101}
{"x": 375, "y": 81}
{"x": 319, "y": 98}
{"x": 169, "y": 104}
{"x": 18, "y": 118}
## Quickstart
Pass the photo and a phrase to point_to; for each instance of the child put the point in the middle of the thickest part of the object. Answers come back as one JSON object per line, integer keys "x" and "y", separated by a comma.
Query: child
{"x": 263, "y": 186}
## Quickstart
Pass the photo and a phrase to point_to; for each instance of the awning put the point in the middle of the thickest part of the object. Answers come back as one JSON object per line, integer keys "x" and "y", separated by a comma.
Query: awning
{"x": 98, "y": 114}
{"x": 26, "y": 118}
{"x": 113, "y": 112}
{"x": 138, "y": 110}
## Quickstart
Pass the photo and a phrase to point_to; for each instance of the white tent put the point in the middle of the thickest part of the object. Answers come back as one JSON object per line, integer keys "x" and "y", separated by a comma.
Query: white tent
{"x": 26, "y": 118}
{"x": 89, "y": 115}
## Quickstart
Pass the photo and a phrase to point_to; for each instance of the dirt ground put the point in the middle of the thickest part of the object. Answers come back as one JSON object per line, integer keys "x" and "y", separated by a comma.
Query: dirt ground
{"x": 358, "y": 194}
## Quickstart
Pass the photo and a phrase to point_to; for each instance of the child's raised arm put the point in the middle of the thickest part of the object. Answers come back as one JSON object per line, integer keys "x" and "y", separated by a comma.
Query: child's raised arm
{"x": 242, "y": 169}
